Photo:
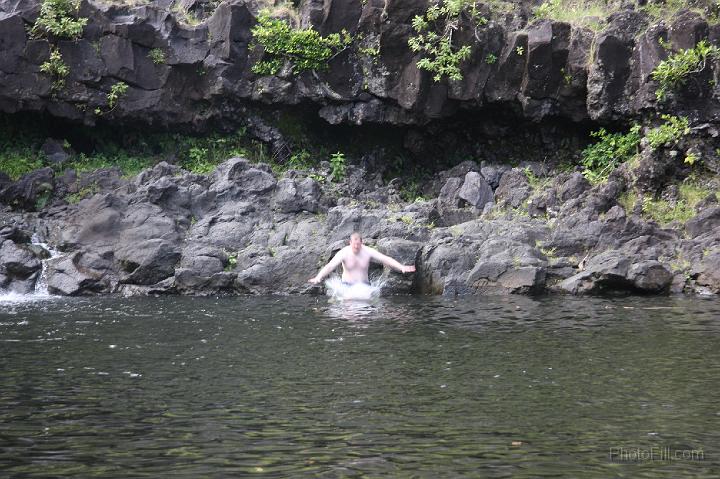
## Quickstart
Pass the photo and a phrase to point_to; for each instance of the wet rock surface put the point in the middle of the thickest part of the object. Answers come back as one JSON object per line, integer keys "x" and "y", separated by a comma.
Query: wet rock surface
{"x": 242, "y": 230}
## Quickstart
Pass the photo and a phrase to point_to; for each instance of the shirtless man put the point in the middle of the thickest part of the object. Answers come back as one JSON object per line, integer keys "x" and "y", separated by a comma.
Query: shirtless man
{"x": 355, "y": 259}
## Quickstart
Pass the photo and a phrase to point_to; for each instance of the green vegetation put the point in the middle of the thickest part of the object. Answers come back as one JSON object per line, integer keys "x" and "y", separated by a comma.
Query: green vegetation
{"x": 131, "y": 153}
{"x": 202, "y": 155}
{"x": 668, "y": 9}
{"x": 434, "y": 37}
{"x": 157, "y": 56}
{"x": 669, "y": 132}
{"x": 665, "y": 212}
{"x": 490, "y": 58}
{"x": 231, "y": 261}
{"x": 691, "y": 159}
{"x": 410, "y": 190}
{"x": 83, "y": 193}
{"x": 116, "y": 91}
{"x": 185, "y": 16}
{"x": 567, "y": 77}
{"x": 586, "y": 13}
{"x": 674, "y": 72}
{"x": 56, "y": 68}
{"x": 601, "y": 158}
{"x": 17, "y": 162}
{"x": 301, "y": 160}
{"x": 613, "y": 149}
{"x": 337, "y": 165}
{"x": 535, "y": 182}
{"x": 304, "y": 49}
{"x": 519, "y": 50}
{"x": 130, "y": 165}
{"x": 57, "y": 19}
{"x": 628, "y": 200}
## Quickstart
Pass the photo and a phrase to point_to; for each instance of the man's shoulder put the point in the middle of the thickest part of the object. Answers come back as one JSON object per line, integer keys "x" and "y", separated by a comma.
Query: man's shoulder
{"x": 369, "y": 249}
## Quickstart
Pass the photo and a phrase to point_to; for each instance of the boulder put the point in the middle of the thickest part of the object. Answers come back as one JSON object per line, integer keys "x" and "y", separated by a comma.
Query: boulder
{"x": 703, "y": 222}
{"x": 292, "y": 196}
{"x": 17, "y": 262}
{"x": 68, "y": 277}
{"x": 650, "y": 277}
{"x": 708, "y": 272}
{"x": 26, "y": 193}
{"x": 606, "y": 271}
{"x": 476, "y": 191}
{"x": 147, "y": 262}
{"x": 406, "y": 253}
{"x": 513, "y": 189}
{"x": 575, "y": 186}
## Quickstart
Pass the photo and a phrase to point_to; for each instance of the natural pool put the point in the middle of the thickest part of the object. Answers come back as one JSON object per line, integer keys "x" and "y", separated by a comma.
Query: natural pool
{"x": 403, "y": 387}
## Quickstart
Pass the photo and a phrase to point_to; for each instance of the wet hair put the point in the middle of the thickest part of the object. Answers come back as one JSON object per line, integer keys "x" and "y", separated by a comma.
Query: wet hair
{"x": 355, "y": 234}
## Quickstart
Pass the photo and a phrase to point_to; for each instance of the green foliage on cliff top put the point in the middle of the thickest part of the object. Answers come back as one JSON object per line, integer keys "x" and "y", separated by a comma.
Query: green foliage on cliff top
{"x": 305, "y": 49}
{"x": 587, "y": 13}
{"x": 434, "y": 37}
{"x": 57, "y": 18}
{"x": 674, "y": 72}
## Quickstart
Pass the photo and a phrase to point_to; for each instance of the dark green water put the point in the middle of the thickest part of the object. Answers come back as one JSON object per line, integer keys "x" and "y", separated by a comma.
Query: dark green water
{"x": 405, "y": 387}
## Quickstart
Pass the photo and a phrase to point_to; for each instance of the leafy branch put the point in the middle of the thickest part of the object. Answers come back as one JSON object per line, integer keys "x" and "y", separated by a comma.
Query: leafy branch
{"x": 434, "y": 37}
{"x": 57, "y": 18}
{"x": 673, "y": 73}
{"x": 305, "y": 49}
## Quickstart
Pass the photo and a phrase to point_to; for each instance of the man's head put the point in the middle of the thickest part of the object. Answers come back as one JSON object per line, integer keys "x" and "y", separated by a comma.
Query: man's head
{"x": 355, "y": 242}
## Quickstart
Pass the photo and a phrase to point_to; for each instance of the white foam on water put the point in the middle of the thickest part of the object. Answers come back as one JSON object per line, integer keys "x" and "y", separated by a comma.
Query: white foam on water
{"x": 339, "y": 291}
{"x": 41, "y": 289}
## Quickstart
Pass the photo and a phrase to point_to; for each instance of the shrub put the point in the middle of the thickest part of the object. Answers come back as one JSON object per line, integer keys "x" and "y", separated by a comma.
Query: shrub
{"x": 56, "y": 67}
{"x": 669, "y": 132}
{"x": 578, "y": 12}
{"x": 434, "y": 37}
{"x": 665, "y": 212}
{"x": 116, "y": 92}
{"x": 337, "y": 165}
{"x": 157, "y": 56}
{"x": 601, "y": 158}
{"x": 128, "y": 163}
{"x": 304, "y": 49}
{"x": 674, "y": 72}
{"x": 15, "y": 162}
{"x": 56, "y": 19}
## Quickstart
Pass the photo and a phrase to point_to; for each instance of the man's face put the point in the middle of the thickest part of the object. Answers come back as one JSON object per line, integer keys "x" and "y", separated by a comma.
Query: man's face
{"x": 355, "y": 244}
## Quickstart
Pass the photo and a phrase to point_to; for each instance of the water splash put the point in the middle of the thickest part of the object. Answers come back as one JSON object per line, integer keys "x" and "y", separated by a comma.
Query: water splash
{"x": 340, "y": 291}
{"x": 41, "y": 288}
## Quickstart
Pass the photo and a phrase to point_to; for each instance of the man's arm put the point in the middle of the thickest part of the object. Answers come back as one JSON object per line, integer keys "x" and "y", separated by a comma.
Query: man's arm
{"x": 334, "y": 263}
{"x": 388, "y": 261}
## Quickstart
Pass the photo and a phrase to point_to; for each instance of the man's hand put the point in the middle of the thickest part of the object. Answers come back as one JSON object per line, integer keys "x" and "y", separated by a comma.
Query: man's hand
{"x": 408, "y": 269}
{"x": 314, "y": 280}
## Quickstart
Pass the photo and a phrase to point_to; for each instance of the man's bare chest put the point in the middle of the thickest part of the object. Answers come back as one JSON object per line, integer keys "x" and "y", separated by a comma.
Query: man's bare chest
{"x": 356, "y": 261}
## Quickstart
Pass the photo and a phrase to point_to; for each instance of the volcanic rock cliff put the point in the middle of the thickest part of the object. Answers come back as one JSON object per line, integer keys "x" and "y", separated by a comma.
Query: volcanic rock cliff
{"x": 539, "y": 69}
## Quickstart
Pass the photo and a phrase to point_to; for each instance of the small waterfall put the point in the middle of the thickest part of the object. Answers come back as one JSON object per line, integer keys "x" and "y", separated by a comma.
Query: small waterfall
{"x": 41, "y": 288}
